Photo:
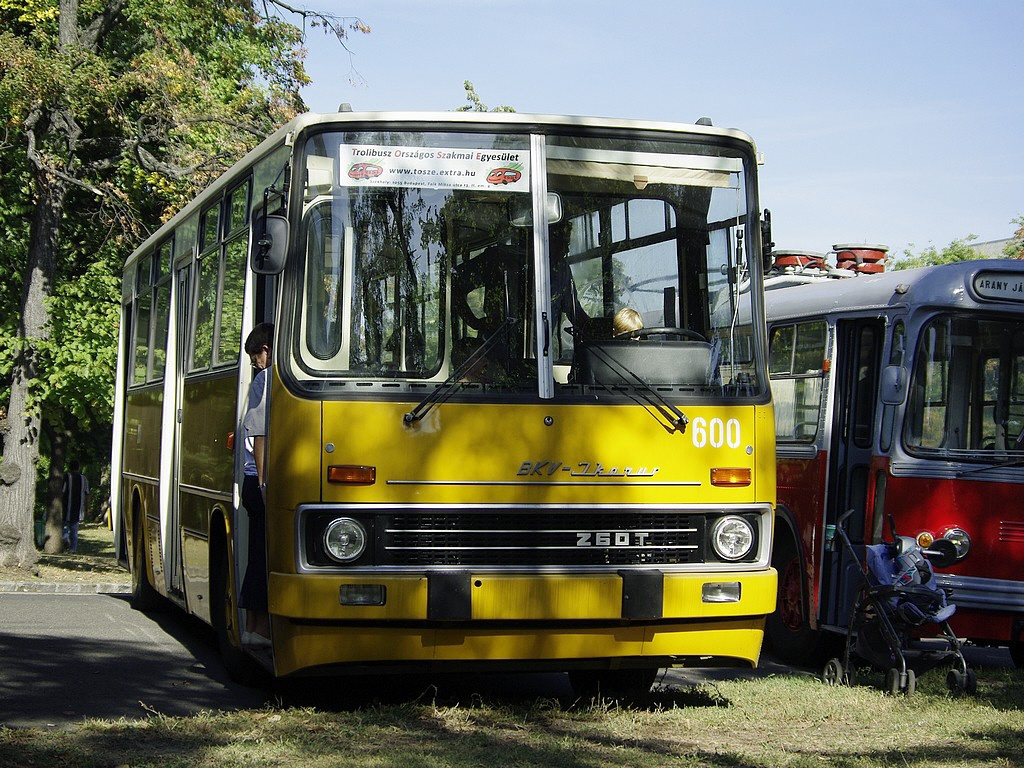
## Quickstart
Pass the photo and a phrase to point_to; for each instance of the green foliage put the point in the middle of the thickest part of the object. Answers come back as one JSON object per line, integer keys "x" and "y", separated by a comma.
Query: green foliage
{"x": 81, "y": 352}
{"x": 476, "y": 104}
{"x": 1015, "y": 248}
{"x": 958, "y": 250}
{"x": 15, "y": 211}
{"x": 116, "y": 133}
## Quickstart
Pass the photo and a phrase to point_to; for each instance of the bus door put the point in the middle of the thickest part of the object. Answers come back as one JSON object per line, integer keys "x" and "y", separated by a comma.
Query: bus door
{"x": 856, "y": 366}
{"x": 183, "y": 284}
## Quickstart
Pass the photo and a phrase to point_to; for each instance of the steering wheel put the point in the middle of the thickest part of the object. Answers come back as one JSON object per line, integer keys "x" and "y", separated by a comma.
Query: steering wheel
{"x": 679, "y": 333}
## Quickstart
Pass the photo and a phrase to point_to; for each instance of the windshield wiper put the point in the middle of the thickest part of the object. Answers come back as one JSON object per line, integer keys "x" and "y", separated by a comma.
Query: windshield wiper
{"x": 1019, "y": 461}
{"x": 668, "y": 416}
{"x": 449, "y": 386}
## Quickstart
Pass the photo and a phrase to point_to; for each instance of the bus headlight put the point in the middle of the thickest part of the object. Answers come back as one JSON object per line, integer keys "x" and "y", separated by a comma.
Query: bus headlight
{"x": 732, "y": 537}
{"x": 960, "y": 540}
{"x": 344, "y": 539}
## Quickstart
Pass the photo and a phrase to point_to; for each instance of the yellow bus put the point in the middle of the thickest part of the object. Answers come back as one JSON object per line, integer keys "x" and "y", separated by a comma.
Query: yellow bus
{"x": 467, "y": 469}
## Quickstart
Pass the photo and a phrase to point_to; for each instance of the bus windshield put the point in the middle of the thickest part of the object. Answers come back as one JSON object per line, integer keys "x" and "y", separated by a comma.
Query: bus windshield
{"x": 419, "y": 261}
{"x": 967, "y": 389}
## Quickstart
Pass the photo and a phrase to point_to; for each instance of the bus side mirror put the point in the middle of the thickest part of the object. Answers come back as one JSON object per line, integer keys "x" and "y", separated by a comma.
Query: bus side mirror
{"x": 520, "y": 210}
{"x": 766, "y": 240}
{"x": 893, "y": 387}
{"x": 269, "y": 244}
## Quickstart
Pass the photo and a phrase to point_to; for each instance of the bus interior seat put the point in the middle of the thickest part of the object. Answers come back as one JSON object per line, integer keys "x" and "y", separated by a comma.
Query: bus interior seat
{"x": 658, "y": 363}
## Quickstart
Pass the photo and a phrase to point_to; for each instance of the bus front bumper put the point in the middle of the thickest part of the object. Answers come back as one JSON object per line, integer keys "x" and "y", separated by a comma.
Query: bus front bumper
{"x": 464, "y": 617}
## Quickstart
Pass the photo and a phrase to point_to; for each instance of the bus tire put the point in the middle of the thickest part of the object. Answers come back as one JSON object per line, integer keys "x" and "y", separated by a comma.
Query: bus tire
{"x": 143, "y": 597}
{"x": 224, "y": 617}
{"x": 619, "y": 684}
{"x": 789, "y": 635}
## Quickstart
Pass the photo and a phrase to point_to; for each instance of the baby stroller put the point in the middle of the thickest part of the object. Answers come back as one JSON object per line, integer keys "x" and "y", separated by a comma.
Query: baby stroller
{"x": 899, "y": 598}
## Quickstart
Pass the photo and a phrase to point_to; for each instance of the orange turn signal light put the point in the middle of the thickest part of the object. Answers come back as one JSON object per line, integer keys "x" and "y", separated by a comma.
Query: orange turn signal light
{"x": 351, "y": 474}
{"x": 735, "y": 477}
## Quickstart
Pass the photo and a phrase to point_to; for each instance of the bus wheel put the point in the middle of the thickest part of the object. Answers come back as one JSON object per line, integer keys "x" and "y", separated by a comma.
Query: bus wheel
{"x": 621, "y": 684}
{"x": 1017, "y": 653}
{"x": 224, "y": 616}
{"x": 788, "y": 630}
{"x": 144, "y": 597}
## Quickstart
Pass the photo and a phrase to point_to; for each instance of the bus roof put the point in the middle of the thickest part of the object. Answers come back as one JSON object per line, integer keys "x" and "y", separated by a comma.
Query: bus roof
{"x": 962, "y": 284}
{"x": 394, "y": 119}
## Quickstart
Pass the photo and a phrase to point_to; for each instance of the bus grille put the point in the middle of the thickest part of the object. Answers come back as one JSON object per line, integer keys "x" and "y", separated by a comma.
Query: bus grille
{"x": 587, "y": 538}
{"x": 1011, "y": 532}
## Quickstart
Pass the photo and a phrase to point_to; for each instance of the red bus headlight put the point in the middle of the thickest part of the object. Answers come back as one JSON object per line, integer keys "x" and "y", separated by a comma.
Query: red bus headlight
{"x": 960, "y": 540}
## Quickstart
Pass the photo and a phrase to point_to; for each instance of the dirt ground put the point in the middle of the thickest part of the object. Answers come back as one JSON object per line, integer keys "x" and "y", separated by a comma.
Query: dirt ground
{"x": 93, "y": 563}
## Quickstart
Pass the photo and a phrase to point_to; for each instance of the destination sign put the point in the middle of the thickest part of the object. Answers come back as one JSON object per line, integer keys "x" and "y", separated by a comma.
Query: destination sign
{"x": 1004, "y": 286}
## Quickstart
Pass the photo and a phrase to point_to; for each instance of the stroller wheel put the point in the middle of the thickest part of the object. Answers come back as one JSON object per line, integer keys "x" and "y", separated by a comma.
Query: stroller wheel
{"x": 833, "y": 673}
{"x": 957, "y": 683}
{"x": 892, "y": 681}
{"x": 911, "y": 683}
{"x": 851, "y": 674}
{"x": 970, "y": 683}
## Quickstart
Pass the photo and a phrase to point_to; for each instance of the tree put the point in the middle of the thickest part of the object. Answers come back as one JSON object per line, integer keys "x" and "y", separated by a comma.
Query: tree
{"x": 475, "y": 104}
{"x": 958, "y": 250}
{"x": 115, "y": 112}
{"x": 1015, "y": 248}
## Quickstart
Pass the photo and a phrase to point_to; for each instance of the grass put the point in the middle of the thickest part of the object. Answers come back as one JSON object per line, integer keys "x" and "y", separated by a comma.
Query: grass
{"x": 771, "y": 721}
{"x": 93, "y": 563}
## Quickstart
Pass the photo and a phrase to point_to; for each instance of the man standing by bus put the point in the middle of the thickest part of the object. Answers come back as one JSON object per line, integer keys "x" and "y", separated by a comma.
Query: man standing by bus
{"x": 76, "y": 501}
{"x": 253, "y": 595}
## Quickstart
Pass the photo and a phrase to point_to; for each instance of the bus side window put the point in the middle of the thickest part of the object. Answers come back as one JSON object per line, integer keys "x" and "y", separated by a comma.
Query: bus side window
{"x": 796, "y": 364}
{"x": 151, "y": 315}
{"x": 143, "y": 320}
{"x": 896, "y": 352}
{"x": 230, "y": 337}
{"x": 221, "y": 290}
{"x": 235, "y": 253}
{"x": 865, "y": 395}
{"x": 206, "y": 295}
{"x": 1014, "y": 421}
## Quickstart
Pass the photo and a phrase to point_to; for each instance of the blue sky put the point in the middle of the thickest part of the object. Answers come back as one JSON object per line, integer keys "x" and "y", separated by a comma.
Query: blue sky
{"x": 897, "y": 122}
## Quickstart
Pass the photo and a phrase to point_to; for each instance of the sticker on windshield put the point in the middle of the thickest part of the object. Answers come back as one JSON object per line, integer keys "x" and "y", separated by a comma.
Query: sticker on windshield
{"x": 437, "y": 167}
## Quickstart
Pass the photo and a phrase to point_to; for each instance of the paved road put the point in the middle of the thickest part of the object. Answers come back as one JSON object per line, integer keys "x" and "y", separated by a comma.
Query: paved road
{"x": 64, "y": 657}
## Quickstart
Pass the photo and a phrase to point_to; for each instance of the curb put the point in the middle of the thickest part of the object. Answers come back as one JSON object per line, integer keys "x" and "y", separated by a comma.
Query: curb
{"x": 69, "y": 588}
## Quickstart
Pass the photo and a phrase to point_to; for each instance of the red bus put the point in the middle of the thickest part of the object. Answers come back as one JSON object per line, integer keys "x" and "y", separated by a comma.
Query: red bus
{"x": 899, "y": 395}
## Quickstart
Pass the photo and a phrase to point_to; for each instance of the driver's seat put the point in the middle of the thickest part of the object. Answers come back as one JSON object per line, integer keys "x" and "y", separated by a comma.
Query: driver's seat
{"x": 674, "y": 363}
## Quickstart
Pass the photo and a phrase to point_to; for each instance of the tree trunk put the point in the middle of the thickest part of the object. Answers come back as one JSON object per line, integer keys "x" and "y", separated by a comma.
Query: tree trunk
{"x": 55, "y": 126}
{"x": 21, "y": 444}
{"x": 54, "y": 538}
